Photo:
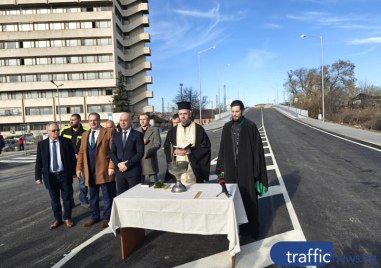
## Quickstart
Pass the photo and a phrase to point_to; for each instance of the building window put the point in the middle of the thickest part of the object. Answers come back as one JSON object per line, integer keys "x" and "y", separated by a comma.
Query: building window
{"x": 90, "y": 76}
{"x": 86, "y": 25}
{"x": 42, "y": 43}
{"x": 28, "y": 78}
{"x": 9, "y": 27}
{"x": 75, "y": 109}
{"x": 104, "y": 41}
{"x": 73, "y": 43}
{"x": 13, "y": 78}
{"x": 38, "y": 110}
{"x": 105, "y": 58}
{"x": 89, "y": 59}
{"x": 99, "y": 108}
{"x": 41, "y": 26}
{"x": 28, "y": 44}
{"x": 58, "y": 43}
{"x": 26, "y": 27}
{"x": 10, "y": 111}
{"x": 57, "y": 26}
{"x": 41, "y": 61}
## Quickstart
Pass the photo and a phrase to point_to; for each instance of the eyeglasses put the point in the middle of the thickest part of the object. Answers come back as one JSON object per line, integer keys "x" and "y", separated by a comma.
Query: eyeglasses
{"x": 55, "y": 130}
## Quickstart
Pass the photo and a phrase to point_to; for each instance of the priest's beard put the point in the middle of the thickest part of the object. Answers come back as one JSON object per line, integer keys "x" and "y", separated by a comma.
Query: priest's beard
{"x": 186, "y": 123}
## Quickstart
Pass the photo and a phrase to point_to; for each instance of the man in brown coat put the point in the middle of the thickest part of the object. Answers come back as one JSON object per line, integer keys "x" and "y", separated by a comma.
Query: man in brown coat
{"x": 94, "y": 159}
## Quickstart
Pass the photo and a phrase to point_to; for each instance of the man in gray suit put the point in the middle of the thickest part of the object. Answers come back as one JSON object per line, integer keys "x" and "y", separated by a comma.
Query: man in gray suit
{"x": 152, "y": 143}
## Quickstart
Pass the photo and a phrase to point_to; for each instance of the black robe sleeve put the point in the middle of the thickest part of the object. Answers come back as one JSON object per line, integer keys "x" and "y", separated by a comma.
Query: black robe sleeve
{"x": 201, "y": 155}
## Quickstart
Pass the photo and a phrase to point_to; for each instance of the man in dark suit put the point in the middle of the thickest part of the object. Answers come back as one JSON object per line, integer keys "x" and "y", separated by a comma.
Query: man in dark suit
{"x": 127, "y": 149}
{"x": 55, "y": 167}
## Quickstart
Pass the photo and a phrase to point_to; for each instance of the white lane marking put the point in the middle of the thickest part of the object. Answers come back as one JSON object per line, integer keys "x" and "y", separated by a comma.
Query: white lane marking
{"x": 318, "y": 129}
{"x": 273, "y": 190}
{"x": 17, "y": 161}
{"x": 215, "y": 130}
{"x": 74, "y": 251}
{"x": 26, "y": 157}
{"x": 270, "y": 167}
{"x": 214, "y": 161}
{"x": 266, "y": 155}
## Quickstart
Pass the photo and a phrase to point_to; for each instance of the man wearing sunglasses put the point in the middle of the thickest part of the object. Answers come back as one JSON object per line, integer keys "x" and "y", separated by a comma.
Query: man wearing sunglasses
{"x": 55, "y": 167}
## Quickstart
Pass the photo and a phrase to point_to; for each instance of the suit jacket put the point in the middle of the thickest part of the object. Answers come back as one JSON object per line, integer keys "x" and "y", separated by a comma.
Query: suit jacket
{"x": 149, "y": 161}
{"x": 133, "y": 152}
{"x": 42, "y": 167}
{"x": 102, "y": 158}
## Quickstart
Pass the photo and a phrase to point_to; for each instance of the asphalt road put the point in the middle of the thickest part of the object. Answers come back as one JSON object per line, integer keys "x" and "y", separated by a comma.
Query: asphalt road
{"x": 333, "y": 186}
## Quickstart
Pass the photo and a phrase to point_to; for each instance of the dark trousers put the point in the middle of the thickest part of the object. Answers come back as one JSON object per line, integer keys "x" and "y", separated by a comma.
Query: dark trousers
{"x": 108, "y": 194}
{"x": 83, "y": 191}
{"x": 59, "y": 186}
{"x": 123, "y": 183}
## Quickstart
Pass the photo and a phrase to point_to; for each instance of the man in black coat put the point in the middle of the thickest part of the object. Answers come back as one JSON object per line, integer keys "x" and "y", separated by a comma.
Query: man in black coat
{"x": 55, "y": 167}
{"x": 241, "y": 160}
{"x": 198, "y": 154}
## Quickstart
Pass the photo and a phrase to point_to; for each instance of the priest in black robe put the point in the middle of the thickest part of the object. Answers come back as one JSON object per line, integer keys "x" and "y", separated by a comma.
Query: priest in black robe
{"x": 198, "y": 152}
{"x": 241, "y": 160}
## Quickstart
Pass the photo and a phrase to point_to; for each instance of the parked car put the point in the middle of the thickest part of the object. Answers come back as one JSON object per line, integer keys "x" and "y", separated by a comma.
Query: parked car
{"x": 10, "y": 145}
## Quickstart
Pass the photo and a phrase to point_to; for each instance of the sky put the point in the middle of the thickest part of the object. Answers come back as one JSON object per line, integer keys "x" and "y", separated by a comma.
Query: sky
{"x": 257, "y": 42}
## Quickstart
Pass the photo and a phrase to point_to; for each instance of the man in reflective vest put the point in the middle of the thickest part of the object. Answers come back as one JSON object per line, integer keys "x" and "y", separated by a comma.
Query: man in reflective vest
{"x": 74, "y": 133}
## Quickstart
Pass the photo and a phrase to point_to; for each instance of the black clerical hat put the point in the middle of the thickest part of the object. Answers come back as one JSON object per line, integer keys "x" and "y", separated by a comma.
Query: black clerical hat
{"x": 184, "y": 105}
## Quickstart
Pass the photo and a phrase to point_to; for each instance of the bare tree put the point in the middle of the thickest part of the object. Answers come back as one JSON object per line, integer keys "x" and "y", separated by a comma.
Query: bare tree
{"x": 192, "y": 96}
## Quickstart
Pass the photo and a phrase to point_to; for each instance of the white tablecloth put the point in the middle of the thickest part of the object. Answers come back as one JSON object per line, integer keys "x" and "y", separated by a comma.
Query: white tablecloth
{"x": 160, "y": 209}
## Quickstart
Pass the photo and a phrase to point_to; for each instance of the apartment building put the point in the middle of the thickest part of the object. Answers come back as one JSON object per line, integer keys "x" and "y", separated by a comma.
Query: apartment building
{"x": 59, "y": 57}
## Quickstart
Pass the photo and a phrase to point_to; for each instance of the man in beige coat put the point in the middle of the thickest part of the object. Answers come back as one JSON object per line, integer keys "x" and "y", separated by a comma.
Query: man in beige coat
{"x": 152, "y": 143}
{"x": 94, "y": 160}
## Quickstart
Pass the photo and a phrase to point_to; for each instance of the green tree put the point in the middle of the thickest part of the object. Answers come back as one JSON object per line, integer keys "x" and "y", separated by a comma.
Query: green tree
{"x": 188, "y": 94}
{"x": 121, "y": 102}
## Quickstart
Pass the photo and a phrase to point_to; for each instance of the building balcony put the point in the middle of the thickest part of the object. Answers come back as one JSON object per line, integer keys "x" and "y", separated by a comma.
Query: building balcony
{"x": 142, "y": 96}
{"x": 143, "y": 37}
{"x": 138, "y": 82}
{"x": 143, "y": 8}
{"x": 133, "y": 54}
{"x": 140, "y": 22}
{"x": 139, "y": 68}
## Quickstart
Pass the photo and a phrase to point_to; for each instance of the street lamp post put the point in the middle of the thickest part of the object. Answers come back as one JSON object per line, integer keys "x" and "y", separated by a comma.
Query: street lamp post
{"x": 219, "y": 100}
{"x": 199, "y": 75}
{"x": 181, "y": 91}
{"x": 58, "y": 99}
{"x": 322, "y": 71}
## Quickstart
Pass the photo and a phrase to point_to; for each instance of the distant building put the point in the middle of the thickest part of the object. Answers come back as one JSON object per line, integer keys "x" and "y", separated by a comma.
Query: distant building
{"x": 207, "y": 116}
{"x": 365, "y": 100}
{"x": 81, "y": 46}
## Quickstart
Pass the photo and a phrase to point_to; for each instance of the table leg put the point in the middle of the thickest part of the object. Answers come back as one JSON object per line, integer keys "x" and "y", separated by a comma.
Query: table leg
{"x": 233, "y": 261}
{"x": 130, "y": 238}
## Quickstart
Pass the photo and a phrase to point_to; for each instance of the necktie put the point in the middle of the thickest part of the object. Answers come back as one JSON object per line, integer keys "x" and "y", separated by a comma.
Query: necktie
{"x": 55, "y": 162}
{"x": 124, "y": 138}
{"x": 92, "y": 140}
